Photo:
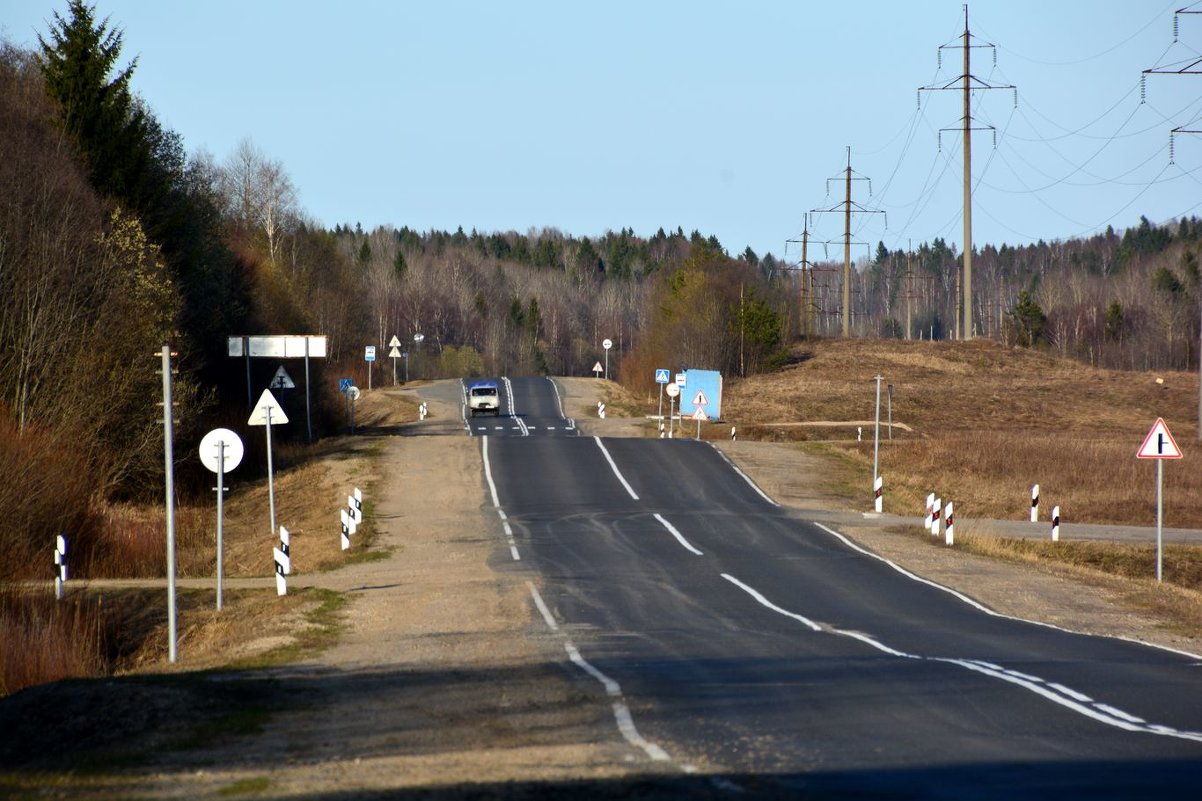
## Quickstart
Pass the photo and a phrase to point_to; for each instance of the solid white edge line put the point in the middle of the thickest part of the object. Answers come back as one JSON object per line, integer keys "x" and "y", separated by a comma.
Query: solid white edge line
{"x": 621, "y": 711}
{"x": 496, "y": 501}
{"x": 981, "y": 607}
{"x": 614, "y": 467}
{"x": 745, "y": 477}
{"x": 542, "y": 607}
{"x": 1103, "y": 713}
{"x": 679, "y": 537}
{"x": 765, "y": 602}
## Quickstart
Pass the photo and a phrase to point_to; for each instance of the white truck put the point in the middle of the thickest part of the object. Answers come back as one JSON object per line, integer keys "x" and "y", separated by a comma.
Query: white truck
{"x": 484, "y": 398}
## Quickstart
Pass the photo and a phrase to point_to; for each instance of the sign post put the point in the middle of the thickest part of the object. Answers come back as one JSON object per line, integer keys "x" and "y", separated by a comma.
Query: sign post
{"x": 661, "y": 378}
{"x": 369, "y": 356}
{"x": 268, "y": 413}
{"x": 394, "y": 353}
{"x": 1159, "y": 445}
{"x": 220, "y": 451}
{"x": 607, "y": 344}
{"x": 673, "y": 390}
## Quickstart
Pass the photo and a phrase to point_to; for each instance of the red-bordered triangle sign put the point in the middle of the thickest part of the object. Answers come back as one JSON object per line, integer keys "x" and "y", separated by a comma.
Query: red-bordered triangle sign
{"x": 1159, "y": 443}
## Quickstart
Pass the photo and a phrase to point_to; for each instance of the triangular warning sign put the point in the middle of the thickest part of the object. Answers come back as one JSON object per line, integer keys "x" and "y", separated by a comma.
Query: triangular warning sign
{"x": 700, "y": 400}
{"x": 281, "y": 380}
{"x": 1159, "y": 443}
{"x": 699, "y": 414}
{"x": 267, "y": 401}
{"x": 597, "y": 367}
{"x": 395, "y": 352}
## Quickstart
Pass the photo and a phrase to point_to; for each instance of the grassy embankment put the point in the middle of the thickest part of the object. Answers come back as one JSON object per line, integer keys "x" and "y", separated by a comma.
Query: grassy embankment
{"x": 111, "y": 630}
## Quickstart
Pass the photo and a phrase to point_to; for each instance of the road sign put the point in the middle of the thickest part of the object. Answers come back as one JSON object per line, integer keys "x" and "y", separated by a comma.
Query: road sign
{"x": 700, "y": 400}
{"x": 661, "y": 376}
{"x": 607, "y": 344}
{"x": 597, "y": 368}
{"x": 680, "y": 379}
{"x": 369, "y": 353}
{"x": 281, "y": 380}
{"x": 699, "y": 414}
{"x": 673, "y": 390}
{"x": 395, "y": 342}
{"x": 345, "y": 384}
{"x": 354, "y": 393}
{"x": 1159, "y": 443}
{"x": 267, "y": 401}
{"x": 233, "y": 450}
{"x": 394, "y": 352}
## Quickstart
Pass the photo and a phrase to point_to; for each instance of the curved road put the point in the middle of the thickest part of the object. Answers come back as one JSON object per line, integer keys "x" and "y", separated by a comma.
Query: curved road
{"x": 744, "y": 641}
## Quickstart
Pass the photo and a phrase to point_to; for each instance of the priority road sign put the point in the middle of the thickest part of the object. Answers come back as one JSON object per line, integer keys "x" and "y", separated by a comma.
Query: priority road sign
{"x": 1159, "y": 443}
{"x": 661, "y": 376}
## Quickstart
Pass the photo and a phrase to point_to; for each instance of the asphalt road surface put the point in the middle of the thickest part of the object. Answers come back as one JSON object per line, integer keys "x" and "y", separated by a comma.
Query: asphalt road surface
{"x": 741, "y": 640}
{"x": 529, "y": 407}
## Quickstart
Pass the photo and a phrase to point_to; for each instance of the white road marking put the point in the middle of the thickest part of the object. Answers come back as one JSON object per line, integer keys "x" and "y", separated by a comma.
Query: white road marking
{"x": 614, "y": 467}
{"x": 496, "y": 502}
{"x": 679, "y": 537}
{"x": 982, "y": 607}
{"x": 1054, "y": 692}
{"x": 745, "y": 477}
{"x": 513, "y": 412}
{"x": 621, "y": 711}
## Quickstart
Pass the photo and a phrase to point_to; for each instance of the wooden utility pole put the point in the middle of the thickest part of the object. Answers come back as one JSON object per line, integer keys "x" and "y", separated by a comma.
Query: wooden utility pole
{"x": 965, "y": 83}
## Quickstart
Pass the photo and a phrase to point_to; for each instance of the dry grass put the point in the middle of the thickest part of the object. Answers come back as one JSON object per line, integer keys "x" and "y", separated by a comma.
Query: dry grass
{"x": 988, "y": 422}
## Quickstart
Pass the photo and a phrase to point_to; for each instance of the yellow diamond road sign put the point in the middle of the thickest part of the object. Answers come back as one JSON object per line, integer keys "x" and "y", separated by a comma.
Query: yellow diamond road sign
{"x": 1159, "y": 443}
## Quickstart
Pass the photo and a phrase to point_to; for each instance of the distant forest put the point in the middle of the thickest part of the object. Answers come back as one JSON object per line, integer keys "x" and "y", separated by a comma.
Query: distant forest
{"x": 114, "y": 241}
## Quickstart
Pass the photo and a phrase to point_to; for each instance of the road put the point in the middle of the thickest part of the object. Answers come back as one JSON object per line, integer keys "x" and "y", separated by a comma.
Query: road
{"x": 529, "y": 407}
{"x": 743, "y": 641}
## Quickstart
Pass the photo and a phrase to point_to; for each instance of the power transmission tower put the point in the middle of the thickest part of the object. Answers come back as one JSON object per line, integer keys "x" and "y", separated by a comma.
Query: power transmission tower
{"x": 966, "y": 82}
{"x": 806, "y": 268}
{"x": 846, "y": 207}
{"x": 1192, "y": 66}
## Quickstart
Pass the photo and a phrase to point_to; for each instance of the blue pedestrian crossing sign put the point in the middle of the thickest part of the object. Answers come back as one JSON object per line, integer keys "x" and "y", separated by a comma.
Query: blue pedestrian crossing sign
{"x": 344, "y": 384}
{"x": 661, "y": 376}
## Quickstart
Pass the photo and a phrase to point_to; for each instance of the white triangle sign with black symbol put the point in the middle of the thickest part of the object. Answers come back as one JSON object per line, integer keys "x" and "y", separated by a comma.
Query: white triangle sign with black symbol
{"x": 281, "y": 380}
{"x": 1159, "y": 443}
{"x": 267, "y": 402}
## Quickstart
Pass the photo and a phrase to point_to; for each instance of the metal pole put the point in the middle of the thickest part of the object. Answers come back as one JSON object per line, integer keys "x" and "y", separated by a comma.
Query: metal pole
{"x": 1159, "y": 516}
{"x": 661, "y": 406}
{"x": 671, "y": 416}
{"x": 169, "y": 471}
{"x": 250, "y": 401}
{"x": 847, "y": 252}
{"x": 876, "y": 435}
{"x": 220, "y": 507}
{"x": 308, "y": 413}
{"x": 270, "y": 480}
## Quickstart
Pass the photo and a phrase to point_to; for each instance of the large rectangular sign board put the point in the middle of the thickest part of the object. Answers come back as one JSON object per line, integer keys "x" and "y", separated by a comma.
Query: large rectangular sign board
{"x": 278, "y": 346}
{"x": 706, "y": 385}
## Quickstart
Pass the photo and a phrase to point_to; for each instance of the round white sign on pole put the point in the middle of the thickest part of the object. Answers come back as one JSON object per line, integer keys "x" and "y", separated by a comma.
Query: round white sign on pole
{"x": 354, "y": 393}
{"x": 672, "y": 390}
{"x": 209, "y": 447}
{"x": 418, "y": 338}
{"x": 607, "y": 344}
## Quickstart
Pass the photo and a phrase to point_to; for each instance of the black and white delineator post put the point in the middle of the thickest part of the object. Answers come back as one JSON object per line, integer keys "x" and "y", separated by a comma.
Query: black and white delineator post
{"x": 1055, "y": 524}
{"x": 936, "y": 508}
{"x": 1035, "y": 504}
{"x": 348, "y": 528}
{"x": 1159, "y": 445}
{"x": 878, "y": 492}
{"x": 268, "y": 413}
{"x": 60, "y": 565}
{"x": 354, "y": 509}
{"x": 221, "y": 451}
{"x": 949, "y": 536}
{"x": 283, "y": 562}
{"x": 926, "y": 519}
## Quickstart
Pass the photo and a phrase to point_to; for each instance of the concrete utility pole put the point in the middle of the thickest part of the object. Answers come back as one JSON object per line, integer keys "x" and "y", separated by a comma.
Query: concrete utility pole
{"x": 807, "y": 278}
{"x": 965, "y": 83}
{"x": 846, "y": 208}
{"x": 1188, "y": 67}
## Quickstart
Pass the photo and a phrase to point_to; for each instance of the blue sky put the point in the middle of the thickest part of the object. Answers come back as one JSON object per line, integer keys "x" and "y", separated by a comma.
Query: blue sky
{"x": 724, "y": 117}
